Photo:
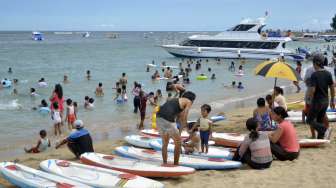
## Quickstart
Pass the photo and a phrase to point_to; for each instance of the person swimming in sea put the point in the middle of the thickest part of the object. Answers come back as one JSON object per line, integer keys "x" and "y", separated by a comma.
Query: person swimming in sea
{"x": 240, "y": 85}
{"x": 232, "y": 67}
{"x": 213, "y": 76}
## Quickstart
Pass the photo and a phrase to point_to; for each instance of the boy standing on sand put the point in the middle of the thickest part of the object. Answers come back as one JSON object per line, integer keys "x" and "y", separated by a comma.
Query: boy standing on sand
{"x": 205, "y": 127}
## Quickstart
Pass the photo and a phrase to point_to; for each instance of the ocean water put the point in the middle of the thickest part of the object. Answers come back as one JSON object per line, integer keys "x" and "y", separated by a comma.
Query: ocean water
{"x": 107, "y": 59}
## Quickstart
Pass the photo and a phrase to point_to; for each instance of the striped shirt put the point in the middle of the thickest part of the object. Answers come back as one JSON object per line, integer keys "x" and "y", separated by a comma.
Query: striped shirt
{"x": 260, "y": 148}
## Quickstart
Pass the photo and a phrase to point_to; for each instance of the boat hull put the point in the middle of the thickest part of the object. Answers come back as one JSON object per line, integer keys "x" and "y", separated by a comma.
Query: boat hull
{"x": 206, "y": 52}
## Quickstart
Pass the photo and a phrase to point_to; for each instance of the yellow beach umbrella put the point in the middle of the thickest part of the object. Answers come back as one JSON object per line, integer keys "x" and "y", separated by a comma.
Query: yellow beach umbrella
{"x": 277, "y": 69}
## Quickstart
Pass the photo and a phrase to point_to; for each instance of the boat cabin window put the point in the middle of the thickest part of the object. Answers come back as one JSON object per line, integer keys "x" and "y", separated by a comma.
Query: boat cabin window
{"x": 243, "y": 27}
{"x": 284, "y": 45}
{"x": 231, "y": 44}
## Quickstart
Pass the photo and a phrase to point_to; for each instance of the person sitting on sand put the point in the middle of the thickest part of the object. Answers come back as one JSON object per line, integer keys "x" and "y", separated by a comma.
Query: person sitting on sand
{"x": 279, "y": 98}
{"x": 42, "y": 144}
{"x": 284, "y": 141}
{"x": 79, "y": 141}
{"x": 177, "y": 108}
{"x": 262, "y": 115}
{"x": 99, "y": 90}
{"x": 255, "y": 150}
{"x": 192, "y": 143}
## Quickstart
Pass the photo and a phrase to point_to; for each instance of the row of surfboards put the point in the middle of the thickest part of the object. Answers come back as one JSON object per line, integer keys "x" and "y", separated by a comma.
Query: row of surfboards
{"x": 131, "y": 166}
{"x": 232, "y": 140}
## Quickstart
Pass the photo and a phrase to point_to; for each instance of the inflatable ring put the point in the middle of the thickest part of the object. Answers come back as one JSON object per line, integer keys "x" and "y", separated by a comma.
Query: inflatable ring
{"x": 44, "y": 110}
{"x": 6, "y": 83}
{"x": 201, "y": 77}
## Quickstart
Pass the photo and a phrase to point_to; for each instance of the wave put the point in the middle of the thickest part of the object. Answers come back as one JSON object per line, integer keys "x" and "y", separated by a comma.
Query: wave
{"x": 13, "y": 105}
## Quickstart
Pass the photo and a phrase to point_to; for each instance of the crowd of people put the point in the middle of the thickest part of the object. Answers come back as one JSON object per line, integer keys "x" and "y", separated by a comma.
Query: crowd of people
{"x": 271, "y": 135}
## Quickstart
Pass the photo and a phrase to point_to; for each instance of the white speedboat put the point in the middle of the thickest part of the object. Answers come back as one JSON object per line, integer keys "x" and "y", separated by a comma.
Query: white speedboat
{"x": 37, "y": 35}
{"x": 245, "y": 40}
{"x": 86, "y": 35}
{"x": 310, "y": 37}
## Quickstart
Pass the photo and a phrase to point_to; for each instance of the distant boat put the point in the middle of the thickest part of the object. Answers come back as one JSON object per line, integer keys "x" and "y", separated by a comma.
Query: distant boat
{"x": 63, "y": 33}
{"x": 86, "y": 35}
{"x": 38, "y": 36}
{"x": 112, "y": 35}
{"x": 310, "y": 37}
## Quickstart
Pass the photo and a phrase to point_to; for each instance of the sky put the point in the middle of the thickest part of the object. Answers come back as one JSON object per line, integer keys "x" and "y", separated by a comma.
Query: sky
{"x": 162, "y": 15}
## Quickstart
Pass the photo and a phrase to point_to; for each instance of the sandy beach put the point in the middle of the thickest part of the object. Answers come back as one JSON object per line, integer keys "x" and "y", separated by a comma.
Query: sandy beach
{"x": 314, "y": 168}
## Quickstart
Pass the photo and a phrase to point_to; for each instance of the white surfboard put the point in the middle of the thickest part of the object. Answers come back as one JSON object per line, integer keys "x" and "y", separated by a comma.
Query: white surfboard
{"x": 133, "y": 166}
{"x": 203, "y": 163}
{"x": 96, "y": 176}
{"x": 153, "y": 132}
{"x": 228, "y": 139}
{"x": 214, "y": 152}
{"x": 305, "y": 143}
{"x": 140, "y": 141}
{"x": 23, "y": 176}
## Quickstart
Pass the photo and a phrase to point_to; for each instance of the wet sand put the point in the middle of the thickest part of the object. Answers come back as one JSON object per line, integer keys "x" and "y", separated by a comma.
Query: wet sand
{"x": 314, "y": 168}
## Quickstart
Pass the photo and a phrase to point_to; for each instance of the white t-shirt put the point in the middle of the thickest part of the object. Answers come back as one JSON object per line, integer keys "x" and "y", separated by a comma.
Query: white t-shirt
{"x": 56, "y": 116}
{"x": 281, "y": 101}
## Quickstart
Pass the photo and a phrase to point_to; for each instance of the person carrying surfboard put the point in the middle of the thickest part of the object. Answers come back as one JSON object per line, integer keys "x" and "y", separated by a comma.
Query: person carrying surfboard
{"x": 169, "y": 112}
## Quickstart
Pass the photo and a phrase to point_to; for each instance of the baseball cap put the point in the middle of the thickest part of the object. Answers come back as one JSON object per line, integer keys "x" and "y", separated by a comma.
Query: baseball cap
{"x": 78, "y": 124}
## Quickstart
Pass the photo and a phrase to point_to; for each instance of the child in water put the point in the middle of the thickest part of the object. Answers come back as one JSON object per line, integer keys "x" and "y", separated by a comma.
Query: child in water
{"x": 88, "y": 75}
{"x": 42, "y": 144}
{"x": 57, "y": 120}
{"x": 205, "y": 127}
{"x": 33, "y": 92}
{"x": 240, "y": 70}
{"x": 91, "y": 105}
{"x": 99, "y": 90}
{"x": 119, "y": 97}
{"x": 70, "y": 114}
{"x": 192, "y": 143}
{"x": 213, "y": 76}
{"x": 240, "y": 86}
{"x": 75, "y": 108}
{"x": 86, "y": 101}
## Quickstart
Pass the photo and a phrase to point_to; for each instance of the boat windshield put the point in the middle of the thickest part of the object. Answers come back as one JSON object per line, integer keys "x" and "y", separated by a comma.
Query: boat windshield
{"x": 231, "y": 44}
{"x": 242, "y": 27}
